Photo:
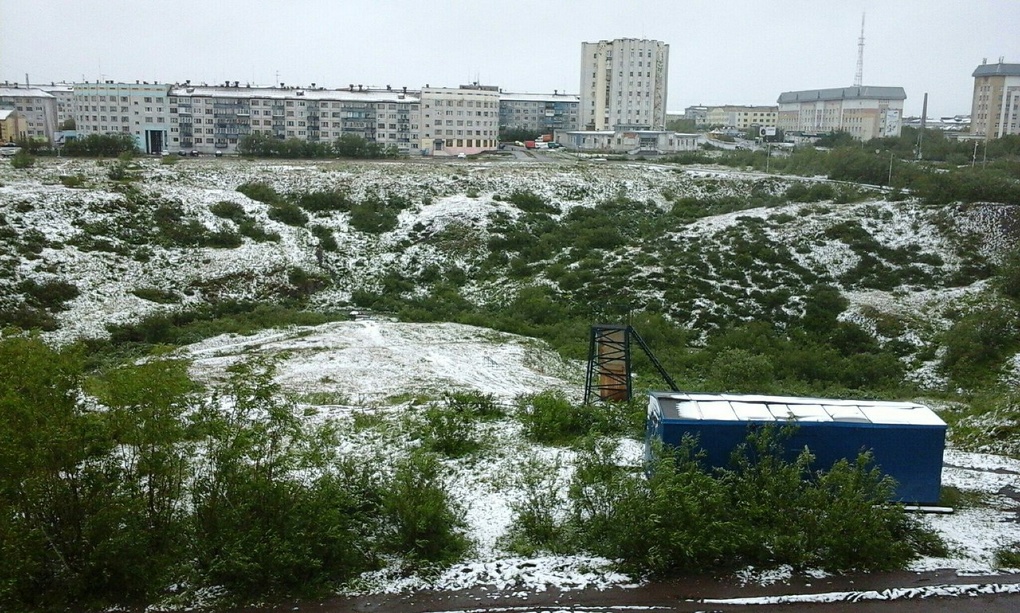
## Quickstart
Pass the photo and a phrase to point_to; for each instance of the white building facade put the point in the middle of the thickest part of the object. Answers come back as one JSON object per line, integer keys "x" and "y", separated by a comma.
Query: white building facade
{"x": 215, "y": 118}
{"x": 624, "y": 84}
{"x": 141, "y": 109}
{"x": 461, "y": 120}
{"x": 864, "y": 112}
{"x": 541, "y": 113}
{"x": 633, "y": 142}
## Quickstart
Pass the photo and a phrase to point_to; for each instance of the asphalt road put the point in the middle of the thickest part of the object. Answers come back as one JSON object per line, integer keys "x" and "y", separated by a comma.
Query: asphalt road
{"x": 702, "y": 594}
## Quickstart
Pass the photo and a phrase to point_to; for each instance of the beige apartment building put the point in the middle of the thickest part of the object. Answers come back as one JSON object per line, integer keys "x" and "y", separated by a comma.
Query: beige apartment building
{"x": 996, "y": 103}
{"x": 459, "y": 120}
{"x": 624, "y": 84}
{"x": 864, "y": 112}
{"x": 37, "y": 109}
{"x": 742, "y": 117}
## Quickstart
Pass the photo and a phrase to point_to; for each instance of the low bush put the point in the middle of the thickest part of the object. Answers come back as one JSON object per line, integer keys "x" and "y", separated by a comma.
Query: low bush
{"x": 263, "y": 192}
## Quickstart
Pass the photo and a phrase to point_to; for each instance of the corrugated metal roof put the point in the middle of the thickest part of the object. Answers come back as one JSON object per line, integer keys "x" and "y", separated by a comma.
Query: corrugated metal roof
{"x": 375, "y": 95}
{"x": 24, "y": 92}
{"x": 738, "y": 407}
{"x": 865, "y": 92}
{"x": 997, "y": 70}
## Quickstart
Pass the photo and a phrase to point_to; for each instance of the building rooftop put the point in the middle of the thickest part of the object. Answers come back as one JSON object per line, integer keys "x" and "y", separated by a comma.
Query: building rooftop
{"x": 372, "y": 95}
{"x": 539, "y": 97}
{"x": 999, "y": 69}
{"x": 738, "y": 407}
{"x": 24, "y": 92}
{"x": 865, "y": 92}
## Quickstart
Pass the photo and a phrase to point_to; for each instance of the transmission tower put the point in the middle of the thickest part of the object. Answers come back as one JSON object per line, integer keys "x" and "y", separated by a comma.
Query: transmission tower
{"x": 859, "y": 77}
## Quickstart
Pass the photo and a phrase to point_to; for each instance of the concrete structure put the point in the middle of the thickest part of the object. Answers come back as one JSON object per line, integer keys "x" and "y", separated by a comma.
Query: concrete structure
{"x": 141, "y": 109}
{"x": 12, "y": 126}
{"x": 214, "y": 118}
{"x": 697, "y": 114}
{"x": 623, "y": 84}
{"x": 461, "y": 120}
{"x": 37, "y": 108}
{"x": 995, "y": 110}
{"x": 628, "y": 141}
{"x": 864, "y": 112}
{"x": 742, "y": 117}
{"x": 541, "y": 113}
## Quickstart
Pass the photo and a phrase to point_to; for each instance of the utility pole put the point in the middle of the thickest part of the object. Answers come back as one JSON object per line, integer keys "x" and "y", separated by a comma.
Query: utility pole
{"x": 890, "y": 168}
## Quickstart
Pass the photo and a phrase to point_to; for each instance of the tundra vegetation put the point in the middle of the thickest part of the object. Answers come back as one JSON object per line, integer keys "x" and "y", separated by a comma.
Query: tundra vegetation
{"x": 124, "y": 476}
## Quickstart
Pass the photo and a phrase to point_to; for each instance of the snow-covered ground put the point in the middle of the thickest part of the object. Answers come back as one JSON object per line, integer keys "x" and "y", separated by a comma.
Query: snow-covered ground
{"x": 373, "y": 364}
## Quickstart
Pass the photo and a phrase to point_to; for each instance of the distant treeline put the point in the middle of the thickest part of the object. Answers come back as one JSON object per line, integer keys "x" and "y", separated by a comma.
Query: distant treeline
{"x": 347, "y": 146}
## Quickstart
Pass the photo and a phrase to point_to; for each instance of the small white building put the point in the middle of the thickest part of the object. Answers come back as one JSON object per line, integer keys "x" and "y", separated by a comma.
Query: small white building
{"x": 632, "y": 142}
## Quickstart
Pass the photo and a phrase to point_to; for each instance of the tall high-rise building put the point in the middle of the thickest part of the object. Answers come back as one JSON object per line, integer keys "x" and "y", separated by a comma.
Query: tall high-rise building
{"x": 623, "y": 84}
{"x": 995, "y": 109}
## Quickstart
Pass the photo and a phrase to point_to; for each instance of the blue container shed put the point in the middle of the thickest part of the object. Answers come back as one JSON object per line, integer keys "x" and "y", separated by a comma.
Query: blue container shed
{"x": 907, "y": 440}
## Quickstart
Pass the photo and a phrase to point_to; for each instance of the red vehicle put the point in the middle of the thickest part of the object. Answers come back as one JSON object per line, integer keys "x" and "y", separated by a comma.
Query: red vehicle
{"x": 529, "y": 144}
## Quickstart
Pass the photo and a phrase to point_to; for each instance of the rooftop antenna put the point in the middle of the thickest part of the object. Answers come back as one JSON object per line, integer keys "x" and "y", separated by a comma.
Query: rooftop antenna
{"x": 859, "y": 76}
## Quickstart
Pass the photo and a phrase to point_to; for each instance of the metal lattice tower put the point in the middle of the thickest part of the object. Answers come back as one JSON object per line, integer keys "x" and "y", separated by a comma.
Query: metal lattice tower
{"x": 859, "y": 77}
{"x": 609, "y": 363}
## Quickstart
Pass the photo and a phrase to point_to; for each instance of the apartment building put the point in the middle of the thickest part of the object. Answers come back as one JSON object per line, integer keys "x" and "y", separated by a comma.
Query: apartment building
{"x": 214, "y": 118}
{"x": 864, "y": 112}
{"x": 623, "y": 84}
{"x": 461, "y": 120}
{"x": 36, "y": 108}
{"x": 64, "y": 95}
{"x": 11, "y": 126}
{"x": 742, "y": 117}
{"x": 544, "y": 113}
{"x": 996, "y": 103}
{"x": 141, "y": 109}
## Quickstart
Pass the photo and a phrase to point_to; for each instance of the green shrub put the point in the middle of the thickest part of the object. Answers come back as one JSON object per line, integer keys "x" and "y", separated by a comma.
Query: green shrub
{"x": 449, "y": 430}
{"x": 326, "y": 239}
{"x": 531, "y": 203}
{"x": 319, "y": 201}
{"x": 228, "y": 210}
{"x": 50, "y": 295}
{"x": 22, "y": 159}
{"x": 540, "y": 524}
{"x": 288, "y": 213}
{"x": 155, "y": 294}
{"x": 374, "y": 216}
{"x": 263, "y": 192}
{"x": 422, "y": 522}
{"x": 72, "y": 180}
{"x": 254, "y": 231}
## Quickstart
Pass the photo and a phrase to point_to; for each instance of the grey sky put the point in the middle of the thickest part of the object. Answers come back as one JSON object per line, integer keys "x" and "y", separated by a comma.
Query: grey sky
{"x": 721, "y": 51}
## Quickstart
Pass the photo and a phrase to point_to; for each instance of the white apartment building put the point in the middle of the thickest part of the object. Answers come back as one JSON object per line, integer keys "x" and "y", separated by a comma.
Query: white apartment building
{"x": 214, "y": 118}
{"x": 37, "y": 109}
{"x": 623, "y": 84}
{"x": 995, "y": 110}
{"x": 461, "y": 120}
{"x": 864, "y": 112}
{"x": 64, "y": 94}
{"x": 742, "y": 117}
{"x": 544, "y": 113}
{"x": 141, "y": 109}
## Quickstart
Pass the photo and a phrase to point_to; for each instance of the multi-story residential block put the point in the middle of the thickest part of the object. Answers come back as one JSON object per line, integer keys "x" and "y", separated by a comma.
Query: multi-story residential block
{"x": 543, "y": 113}
{"x": 461, "y": 120}
{"x": 995, "y": 110}
{"x": 623, "y": 84}
{"x": 141, "y": 109}
{"x": 743, "y": 117}
{"x": 11, "y": 126}
{"x": 214, "y": 118}
{"x": 37, "y": 108}
{"x": 64, "y": 94}
{"x": 697, "y": 114}
{"x": 864, "y": 112}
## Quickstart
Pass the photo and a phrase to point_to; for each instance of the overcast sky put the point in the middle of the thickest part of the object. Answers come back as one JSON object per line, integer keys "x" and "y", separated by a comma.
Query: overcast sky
{"x": 721, "y": 51}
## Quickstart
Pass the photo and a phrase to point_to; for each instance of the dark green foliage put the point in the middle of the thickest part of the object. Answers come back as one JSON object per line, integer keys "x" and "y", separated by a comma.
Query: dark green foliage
{"x": 22, "y": 159}
{"x": 550, "y": 418}
{"x": 263, "y": 192}
{"x": 326, "y": 239}
{"x": 101, "y": 145}
{"x": 422, "y": 522}
{"x": 322, "y": 201}
{"x": 976, "y": 345}
{"x": 375, "y": 215}
{"x": 155, "y": 294}
{"x": 228, "y": 210}
{"x": 49, "y": 295}
{"x": 347, "y": 146}
{"x": 764, "y": 510}
{"x": 531, "y": 203}
{"x": 72, "y": 180}
{"x": 288, "y": 213}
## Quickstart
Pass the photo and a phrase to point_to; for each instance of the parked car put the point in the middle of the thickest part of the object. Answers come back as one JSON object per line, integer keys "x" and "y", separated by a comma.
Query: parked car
{"x": 194, "y": 153}
{"x": 462, "y": 155}
{"x": 218, "y": 153}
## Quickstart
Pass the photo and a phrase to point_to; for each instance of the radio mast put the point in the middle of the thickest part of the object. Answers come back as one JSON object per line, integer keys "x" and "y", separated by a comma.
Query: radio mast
{"x": 859, "y": 77}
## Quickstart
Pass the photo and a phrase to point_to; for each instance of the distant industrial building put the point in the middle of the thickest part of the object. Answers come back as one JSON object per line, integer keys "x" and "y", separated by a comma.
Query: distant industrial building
{"x": 544, "y": 113}
{"x": 864, "y": 112}
{"x": 996, "y": 104}
{"x": 36, "y": 108}
{"x": 623, "y": 84}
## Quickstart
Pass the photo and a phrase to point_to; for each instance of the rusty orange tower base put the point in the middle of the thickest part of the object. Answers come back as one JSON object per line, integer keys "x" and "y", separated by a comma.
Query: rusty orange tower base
{"x": 609, "y": 363}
